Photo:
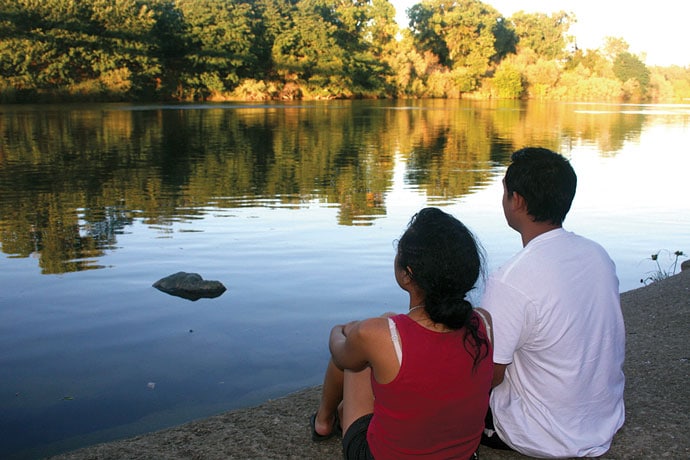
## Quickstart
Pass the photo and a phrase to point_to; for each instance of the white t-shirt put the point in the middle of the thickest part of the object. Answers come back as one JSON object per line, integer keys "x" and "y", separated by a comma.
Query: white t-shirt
{"x": 558, "y": 323}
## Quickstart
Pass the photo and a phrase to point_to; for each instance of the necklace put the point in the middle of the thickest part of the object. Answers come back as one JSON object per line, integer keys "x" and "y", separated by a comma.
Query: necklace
{"x": 421, "y": 305}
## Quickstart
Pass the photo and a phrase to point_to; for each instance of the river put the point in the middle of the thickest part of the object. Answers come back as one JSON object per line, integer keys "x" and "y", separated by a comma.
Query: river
{"x": 295, "y": 208}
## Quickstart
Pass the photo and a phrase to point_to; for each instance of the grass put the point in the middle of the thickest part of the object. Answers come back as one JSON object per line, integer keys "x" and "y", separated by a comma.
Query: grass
{"x": 663, "y": 271}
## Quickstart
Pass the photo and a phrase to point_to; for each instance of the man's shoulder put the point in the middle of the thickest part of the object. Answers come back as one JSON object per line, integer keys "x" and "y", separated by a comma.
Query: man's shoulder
{"x": 569, "y": 236}
{"x": 556, "y": 255}
{"x": 525, "y": 263}
{"x": 561, "y": 244}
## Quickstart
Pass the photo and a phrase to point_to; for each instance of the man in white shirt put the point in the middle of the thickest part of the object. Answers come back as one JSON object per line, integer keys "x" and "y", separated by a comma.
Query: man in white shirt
{"x": 559, "y": 337}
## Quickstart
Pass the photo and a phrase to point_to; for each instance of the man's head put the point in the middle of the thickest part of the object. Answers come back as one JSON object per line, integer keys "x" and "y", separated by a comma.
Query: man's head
{"x": 545, "y": 180}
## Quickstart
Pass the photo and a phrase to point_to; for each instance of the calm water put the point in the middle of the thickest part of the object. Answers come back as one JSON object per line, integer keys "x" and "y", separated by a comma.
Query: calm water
{"x": 295, "y": 208}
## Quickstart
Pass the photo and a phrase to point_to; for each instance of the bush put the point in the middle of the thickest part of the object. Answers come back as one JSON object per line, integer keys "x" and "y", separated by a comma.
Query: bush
{"x": 507, "y": 83}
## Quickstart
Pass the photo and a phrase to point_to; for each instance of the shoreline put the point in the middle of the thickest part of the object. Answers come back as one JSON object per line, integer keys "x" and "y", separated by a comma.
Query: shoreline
{"x": 657, "y": 399}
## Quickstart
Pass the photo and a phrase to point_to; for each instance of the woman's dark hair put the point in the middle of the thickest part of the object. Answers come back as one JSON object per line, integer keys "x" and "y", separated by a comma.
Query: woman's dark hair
{"x": 444, "y": 259}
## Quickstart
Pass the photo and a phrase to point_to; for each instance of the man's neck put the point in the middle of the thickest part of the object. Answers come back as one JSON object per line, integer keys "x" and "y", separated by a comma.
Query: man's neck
{"x": 534, "y": 229}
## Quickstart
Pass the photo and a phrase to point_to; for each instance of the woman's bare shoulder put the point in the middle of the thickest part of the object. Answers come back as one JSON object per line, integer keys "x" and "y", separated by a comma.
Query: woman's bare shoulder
{"x": 374, "y": 325}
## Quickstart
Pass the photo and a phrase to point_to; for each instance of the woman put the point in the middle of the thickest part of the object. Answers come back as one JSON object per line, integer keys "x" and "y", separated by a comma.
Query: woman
{"x": 414, "y": 385}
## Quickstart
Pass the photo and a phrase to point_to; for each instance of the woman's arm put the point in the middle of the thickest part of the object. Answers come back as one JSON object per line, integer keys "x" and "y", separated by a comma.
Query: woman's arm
{"x": 499, "y": 369}
{"x": 354, "y": 345}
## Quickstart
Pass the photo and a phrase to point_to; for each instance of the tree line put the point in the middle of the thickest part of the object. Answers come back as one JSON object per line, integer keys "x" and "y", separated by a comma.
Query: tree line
{"x": 185, "y": 50}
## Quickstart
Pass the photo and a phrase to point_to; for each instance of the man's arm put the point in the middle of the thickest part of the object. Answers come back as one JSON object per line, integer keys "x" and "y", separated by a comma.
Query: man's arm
{"x": 499, "y": 373}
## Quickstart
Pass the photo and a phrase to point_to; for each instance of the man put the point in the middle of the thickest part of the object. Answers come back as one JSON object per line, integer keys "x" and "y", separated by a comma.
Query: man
{"x": 558, "y": 327}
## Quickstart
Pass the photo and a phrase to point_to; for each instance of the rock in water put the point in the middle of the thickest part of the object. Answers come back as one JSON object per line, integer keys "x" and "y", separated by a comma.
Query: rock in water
{"x": 189, "y": 286}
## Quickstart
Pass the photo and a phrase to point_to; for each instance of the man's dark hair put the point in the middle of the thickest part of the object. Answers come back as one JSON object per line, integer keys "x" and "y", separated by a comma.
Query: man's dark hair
{"x": 546, "y": 181}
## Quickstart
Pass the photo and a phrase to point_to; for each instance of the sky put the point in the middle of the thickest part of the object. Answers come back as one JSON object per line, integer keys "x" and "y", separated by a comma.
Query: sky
{"x": 658, "y": 28}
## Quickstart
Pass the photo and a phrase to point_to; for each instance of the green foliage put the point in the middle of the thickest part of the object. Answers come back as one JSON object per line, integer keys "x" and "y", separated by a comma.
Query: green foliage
{"x": 627, "y": 66}
{"x": 507, "y": 82}
{"x": 594, "y": 61}
{"x": 59, "y": 44}
{"x": 331, "y": 50}
{"x": 124, "y": 18}
{"x": 613, "y": 46}
{"x": 255, "y": 90}
{"x": 506, "y": 39}
{"x": 309, "y": 52}
{"x": 206, "y": 49}
{"x": 545, "y": 35}
{"x": 677, "y": 78}
{"x": 461, "y": 34}
{"x": 580, "y": 84}
{"x": 221, "y": 38}
{"x": 427, "y": 30}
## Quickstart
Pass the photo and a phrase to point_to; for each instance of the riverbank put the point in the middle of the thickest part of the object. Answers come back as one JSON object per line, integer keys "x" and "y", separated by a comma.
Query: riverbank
{"x": 657, "y": 398}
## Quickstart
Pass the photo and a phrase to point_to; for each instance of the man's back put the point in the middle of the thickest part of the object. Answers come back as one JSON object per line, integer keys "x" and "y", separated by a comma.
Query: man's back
{"x": 557, "y": 319}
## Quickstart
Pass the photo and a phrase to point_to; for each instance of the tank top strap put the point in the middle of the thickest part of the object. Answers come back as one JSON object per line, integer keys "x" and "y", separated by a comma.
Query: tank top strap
{"x": 395, "y": 338}
{"x": 487, "y": 326}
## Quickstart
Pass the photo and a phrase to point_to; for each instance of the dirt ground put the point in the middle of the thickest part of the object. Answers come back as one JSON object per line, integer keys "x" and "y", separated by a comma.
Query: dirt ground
{"x": 657, "y": 402}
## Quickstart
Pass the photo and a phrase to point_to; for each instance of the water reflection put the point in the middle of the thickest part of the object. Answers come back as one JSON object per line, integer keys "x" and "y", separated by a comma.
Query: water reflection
{"x": 74, "y": 178}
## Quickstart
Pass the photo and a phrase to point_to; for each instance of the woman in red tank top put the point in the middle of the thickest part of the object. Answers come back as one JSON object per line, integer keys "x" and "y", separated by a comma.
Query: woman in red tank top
{"x": 415, "y": 385}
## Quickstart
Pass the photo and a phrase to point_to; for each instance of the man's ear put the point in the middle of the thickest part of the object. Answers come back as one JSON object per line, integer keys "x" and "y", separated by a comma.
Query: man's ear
{"x": 517, "y": 202}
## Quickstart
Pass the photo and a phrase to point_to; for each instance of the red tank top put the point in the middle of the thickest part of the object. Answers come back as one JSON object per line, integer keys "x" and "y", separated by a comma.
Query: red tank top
{"x": 435, "y": 406}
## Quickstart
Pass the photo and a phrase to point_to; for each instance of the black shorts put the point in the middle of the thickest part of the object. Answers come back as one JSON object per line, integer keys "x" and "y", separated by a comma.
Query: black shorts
{"x": 355, "y": 445}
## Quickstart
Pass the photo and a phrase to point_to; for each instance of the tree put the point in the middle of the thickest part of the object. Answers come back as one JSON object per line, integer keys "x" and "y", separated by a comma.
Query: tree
{"x": 335, "y": 47}
{"x": 544, "y": 34}
{"x": 171, "y": 45}
{"x": 507, "y": 82}
{"x": 592, "y": 60}
{"x": 506, "y": 39}
{"x": 92, "y": 47}
{"x": 679, "y": 79}
{"x": 272, "y": 19}
{"x": 122, "y": 59}
{"x": 628, "y": 67}
{"x": 221, "y": 37}
{"x": 308, "y": 49}
{"x": 427, "y": 29}
{"x": 613, "y": 46}
{"x": 460, "y": 33}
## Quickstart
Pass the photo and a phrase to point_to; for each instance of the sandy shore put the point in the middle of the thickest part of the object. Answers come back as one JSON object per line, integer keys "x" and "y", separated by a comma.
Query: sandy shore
{"x": 657, "y": 401}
